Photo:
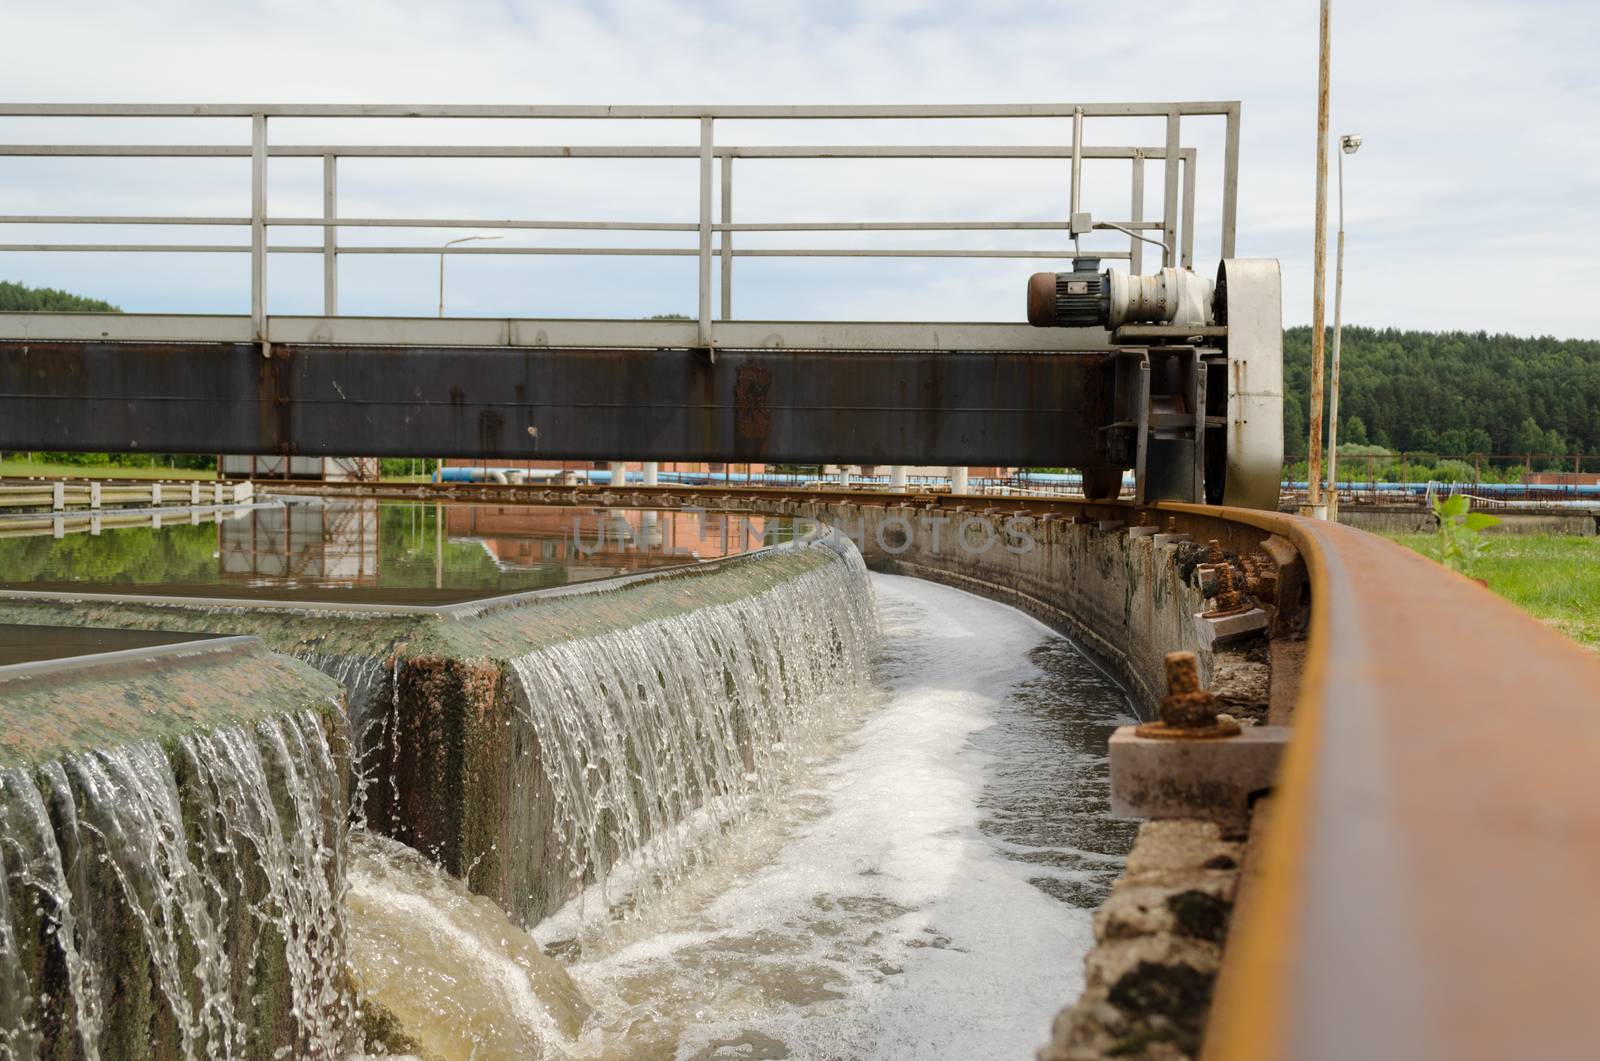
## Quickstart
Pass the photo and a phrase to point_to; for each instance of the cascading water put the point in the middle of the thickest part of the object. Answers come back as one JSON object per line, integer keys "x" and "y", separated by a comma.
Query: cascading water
{"x": 644, "y": 730}
{"x": 216, "y": 864}
{"x": 370, "y": 691}
{"x": 32, "y": 857}
{"x": 458, "y": 975}
{"x": 921, "y": 888}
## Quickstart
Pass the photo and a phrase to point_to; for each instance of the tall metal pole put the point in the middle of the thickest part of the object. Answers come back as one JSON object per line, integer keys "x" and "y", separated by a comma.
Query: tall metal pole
{"x": 1319, "y": 270}
{"x": 1338, "y": 320}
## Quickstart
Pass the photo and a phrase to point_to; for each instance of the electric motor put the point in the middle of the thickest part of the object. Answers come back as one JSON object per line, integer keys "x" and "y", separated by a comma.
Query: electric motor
{"x": 1088, "y": 298}
{"x": 1079, "y": 299}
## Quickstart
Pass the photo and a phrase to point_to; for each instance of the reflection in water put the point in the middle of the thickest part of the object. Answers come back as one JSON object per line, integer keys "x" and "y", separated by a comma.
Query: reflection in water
{"x": 369, "y": 550}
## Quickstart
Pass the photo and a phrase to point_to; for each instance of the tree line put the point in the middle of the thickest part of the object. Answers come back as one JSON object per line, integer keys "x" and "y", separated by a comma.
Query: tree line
{"x": 1453, "y": 393}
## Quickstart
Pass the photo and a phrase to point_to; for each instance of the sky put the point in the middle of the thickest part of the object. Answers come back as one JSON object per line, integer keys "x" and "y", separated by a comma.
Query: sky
{"x": 1471, "y": 205}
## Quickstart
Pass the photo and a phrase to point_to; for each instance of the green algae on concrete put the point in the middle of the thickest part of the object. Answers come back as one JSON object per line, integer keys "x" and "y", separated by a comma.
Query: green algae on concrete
{"x": 160, "y": 695}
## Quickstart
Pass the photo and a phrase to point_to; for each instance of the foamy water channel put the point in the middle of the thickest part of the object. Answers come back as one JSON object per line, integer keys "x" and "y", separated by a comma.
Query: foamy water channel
{"x": 919, "y": 882}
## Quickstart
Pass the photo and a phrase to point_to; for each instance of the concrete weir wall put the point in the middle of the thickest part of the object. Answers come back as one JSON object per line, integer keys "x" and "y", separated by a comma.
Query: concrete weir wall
{"x": 172, "y": 838}
{"x": 1122, "y": 594}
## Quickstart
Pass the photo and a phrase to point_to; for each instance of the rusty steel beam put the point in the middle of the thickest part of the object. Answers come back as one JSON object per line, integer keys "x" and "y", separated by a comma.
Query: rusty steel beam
{"x": 878, "y": 407}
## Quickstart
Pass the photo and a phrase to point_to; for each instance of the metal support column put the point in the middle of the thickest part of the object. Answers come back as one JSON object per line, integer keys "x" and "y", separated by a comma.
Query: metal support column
{"x": 727, "y": 238}
{"x": 1136, "y": 216}
{"x": 1169, "y": 202}
{"x": 330, "y": 236}
{"x": 705, "y": 232}
{"x": 1230, "y": 181}
{"x": 258, "y": 230}
{"x": 1186, "y": 258}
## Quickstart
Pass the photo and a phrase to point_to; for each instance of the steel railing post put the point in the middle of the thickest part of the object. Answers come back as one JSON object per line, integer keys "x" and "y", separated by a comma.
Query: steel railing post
{"x": 1186, "y": 259}
{"x": 330, "y": 243}
{"x": 1077, "y": 174}
{"x": 1136, "y": 216}
{"x": 705, "y": 231}
{"x": 727, "y": 237}
{"x": 258, "y": 230}
{"x": 1230, "y": 181}
{"x": 1169, "y": 202}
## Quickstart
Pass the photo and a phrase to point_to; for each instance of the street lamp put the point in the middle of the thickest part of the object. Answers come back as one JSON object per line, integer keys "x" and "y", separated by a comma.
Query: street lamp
{"x": 1349, "y": 144}
{"x": 447, "y": 246}
{"x": 438, "y": 516}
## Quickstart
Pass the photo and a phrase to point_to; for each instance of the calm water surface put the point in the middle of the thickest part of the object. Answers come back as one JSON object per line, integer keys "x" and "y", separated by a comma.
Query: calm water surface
{"x": 369, "y": 550}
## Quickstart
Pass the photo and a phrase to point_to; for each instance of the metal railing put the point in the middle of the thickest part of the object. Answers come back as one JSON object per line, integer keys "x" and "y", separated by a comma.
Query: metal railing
{"x": 1401, "y": 477}
{"x": 714, "y": 230}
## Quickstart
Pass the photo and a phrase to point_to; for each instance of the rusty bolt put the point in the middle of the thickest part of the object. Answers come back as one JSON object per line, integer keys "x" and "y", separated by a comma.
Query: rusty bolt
{"x": 1186, "y": 705}
{"x": 1229, "y": 599}
{"x": 1214, "y": 553}
{"x": 1260, "y": 577}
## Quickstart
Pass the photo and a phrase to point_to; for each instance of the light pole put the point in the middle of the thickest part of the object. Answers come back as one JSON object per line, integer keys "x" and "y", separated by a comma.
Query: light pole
{"x": 1349, "y": 144}
{"x": 464, "y": 239}
{"x": 447, "y": 246}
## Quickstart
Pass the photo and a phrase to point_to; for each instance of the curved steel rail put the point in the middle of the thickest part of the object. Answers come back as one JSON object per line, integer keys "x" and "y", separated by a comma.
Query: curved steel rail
{"x": 1427, "y": 880}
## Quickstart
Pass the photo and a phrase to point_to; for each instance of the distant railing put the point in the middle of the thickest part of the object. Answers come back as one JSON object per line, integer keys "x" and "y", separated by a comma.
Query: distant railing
{"x": 714, "y": 230}
{"x": 1397, "y": 476}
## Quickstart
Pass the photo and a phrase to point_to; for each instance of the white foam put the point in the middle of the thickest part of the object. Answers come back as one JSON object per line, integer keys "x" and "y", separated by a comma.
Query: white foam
{"x": 874, "y": 917}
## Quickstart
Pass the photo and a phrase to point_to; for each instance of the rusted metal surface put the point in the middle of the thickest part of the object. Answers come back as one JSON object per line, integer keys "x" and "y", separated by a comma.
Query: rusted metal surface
{"x": 804, "y": 406}
{"x": 1230, "y": 601}
{"x": 1042, "y": 300}
{"x": 1426, "y": 886}
{"x": 1188, "y": 712}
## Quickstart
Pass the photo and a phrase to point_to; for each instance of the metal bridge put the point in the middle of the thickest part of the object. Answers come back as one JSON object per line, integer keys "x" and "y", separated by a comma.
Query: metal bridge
{"x": 1103, "y": 396}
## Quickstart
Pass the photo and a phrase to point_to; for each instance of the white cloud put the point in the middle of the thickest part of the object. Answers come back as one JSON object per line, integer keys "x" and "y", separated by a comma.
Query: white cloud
{"x": 1470, "y": 206}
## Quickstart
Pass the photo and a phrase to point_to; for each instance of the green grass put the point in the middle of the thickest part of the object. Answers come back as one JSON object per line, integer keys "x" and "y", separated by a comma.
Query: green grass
{"x": 1555, "y": 577}
{"x": 16, "y": 468}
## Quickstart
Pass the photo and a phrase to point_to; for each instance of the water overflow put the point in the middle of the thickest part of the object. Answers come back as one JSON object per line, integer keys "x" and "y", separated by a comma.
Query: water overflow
{"x": 591, "y": 775}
